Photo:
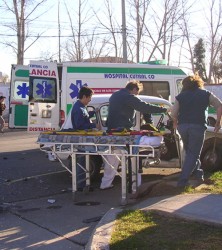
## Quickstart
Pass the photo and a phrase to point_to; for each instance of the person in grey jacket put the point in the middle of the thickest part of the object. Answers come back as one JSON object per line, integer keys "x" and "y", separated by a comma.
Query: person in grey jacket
{"x": 123, "y": 105}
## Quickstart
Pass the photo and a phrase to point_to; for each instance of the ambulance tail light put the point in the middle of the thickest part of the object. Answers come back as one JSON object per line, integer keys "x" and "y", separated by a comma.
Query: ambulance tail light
{"x": 62, "y": 117}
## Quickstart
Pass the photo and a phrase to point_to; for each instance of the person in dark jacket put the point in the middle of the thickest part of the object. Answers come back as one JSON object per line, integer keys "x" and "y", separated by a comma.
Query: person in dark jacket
{"x": 80, "y": 118}
{"x": 2, "y": 108}
{"x": 190, "y": 117}
{"x": 123, "y": 105}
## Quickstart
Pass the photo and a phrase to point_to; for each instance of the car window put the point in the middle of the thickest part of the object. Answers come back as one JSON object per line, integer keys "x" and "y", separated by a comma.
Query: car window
{"x": 91, "y": 110}
{"x": 104, "y": 114}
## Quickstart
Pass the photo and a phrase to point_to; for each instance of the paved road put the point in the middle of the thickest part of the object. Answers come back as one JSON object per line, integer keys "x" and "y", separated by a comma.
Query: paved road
{"x": 37, "y": 208}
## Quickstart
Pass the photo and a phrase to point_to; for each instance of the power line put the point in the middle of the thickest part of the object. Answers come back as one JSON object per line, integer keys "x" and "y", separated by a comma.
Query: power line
{"x": 56, "y": 36}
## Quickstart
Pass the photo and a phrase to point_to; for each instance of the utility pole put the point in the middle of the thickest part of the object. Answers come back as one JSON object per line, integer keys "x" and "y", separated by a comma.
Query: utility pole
{"x": 124, "y": 32}
{"x": 59, "y": 30}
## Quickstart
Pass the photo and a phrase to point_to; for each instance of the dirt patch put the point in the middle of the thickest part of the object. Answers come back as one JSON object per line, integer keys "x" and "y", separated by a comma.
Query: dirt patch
{"x": 163, "y": 182}
{"x": 157, "y": 188}
{"x": 165, "y": 188}
{"x": 154, "y": 182}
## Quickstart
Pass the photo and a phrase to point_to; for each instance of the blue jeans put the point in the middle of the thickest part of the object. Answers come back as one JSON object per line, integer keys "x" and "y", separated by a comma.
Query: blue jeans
{"x": 193, "y": 137}
{"x": 80, "y": 173}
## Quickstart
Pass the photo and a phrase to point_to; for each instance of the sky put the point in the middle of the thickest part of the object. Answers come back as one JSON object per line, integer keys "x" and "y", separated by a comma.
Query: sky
{"x": 49, "y": 24}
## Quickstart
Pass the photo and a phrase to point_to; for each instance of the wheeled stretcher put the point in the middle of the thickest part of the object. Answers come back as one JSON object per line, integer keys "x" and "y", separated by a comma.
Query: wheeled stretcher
{"x": 129, "y": 147}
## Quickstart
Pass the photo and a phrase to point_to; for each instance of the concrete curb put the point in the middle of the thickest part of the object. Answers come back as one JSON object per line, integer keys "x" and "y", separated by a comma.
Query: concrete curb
{"x": 101, "y": 235}
{"x": 197, "y": 207}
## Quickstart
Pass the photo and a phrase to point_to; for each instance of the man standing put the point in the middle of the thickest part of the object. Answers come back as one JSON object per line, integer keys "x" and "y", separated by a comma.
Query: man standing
{"x": 2, "y": 108}
{"x": 80, "y": 118}
{"x": 123, "y": 105}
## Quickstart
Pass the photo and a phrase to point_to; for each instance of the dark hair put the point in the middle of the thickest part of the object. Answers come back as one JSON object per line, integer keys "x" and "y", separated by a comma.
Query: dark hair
{"x": 85, "y": 91}
{"x": 192, "y": 82}
{"x": 133, "y": 85}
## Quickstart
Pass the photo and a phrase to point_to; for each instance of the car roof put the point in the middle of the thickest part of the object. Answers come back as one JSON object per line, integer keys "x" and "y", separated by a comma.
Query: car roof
{"x": 104, "y": 98}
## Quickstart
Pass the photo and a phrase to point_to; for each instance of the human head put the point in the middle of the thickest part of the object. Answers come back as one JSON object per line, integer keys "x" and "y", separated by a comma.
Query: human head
{"x": 2, "y": 98}
{"x": 134, "y": 87}
{"x": 192, "y": 82}
{"x": 85, "y": 95}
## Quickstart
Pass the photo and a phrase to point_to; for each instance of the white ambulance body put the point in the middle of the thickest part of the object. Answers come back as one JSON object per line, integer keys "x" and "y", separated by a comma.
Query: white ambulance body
{"x": 54, "y": 87}
{"x": 106, "y": 78}
{"x": 216, "y": 89}
{"x": 19, "y": 96}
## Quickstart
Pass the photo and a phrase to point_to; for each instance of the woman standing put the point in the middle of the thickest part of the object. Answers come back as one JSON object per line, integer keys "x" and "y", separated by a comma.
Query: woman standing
{"x": 190, "y": 117}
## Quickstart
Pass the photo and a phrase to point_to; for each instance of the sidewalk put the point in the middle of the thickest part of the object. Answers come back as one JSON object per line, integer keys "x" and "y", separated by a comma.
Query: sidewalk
{"x": 199, "y": 207}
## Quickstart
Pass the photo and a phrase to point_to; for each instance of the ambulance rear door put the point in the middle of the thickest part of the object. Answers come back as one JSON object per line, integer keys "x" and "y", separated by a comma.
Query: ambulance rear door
{"x": 19, "y": 95}
{"x": 43, "y": 108}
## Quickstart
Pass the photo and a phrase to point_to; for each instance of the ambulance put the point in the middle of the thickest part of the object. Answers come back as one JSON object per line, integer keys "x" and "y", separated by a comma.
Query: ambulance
{"x": 216, "y": 89}
{"x": 4, "y": 91}
{"x": 42, "y": 93}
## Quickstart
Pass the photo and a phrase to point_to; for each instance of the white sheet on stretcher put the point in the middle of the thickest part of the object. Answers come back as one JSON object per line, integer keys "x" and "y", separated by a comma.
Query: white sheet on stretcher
{"x": 154, "y": 141}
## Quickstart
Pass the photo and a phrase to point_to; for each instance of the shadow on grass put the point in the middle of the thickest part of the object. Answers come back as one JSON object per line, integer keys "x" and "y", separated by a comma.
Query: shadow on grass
{"x": 137, "y": 229}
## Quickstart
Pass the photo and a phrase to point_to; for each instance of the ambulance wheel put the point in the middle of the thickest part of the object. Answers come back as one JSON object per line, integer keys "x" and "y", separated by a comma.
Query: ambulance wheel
{"x": 211, "y": 160}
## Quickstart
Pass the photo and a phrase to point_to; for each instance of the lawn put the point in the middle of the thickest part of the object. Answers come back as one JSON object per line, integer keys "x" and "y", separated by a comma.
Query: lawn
{"x": 136, "y": 229}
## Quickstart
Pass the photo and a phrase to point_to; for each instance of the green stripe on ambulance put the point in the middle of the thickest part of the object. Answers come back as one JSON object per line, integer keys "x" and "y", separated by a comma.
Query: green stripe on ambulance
{"x": 96, "y": 70}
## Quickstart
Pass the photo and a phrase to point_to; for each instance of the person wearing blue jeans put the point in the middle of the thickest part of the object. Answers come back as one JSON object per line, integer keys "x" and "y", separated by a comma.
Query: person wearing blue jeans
{"x": 193, "y": 137}
{"x": 189, "y": 113}
{"x": 80, "y": 118}
{"x": 123, "y": 105}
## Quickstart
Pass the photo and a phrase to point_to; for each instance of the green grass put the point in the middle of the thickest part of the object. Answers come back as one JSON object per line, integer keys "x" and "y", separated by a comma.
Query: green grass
{"x": 136, "y": 229}
{"x": 144, "y": 230}
{"x": 214, "y": 184}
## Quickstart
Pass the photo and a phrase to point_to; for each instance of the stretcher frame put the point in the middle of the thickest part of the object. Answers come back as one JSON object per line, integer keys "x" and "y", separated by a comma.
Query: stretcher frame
{"x": 132, "y": 151}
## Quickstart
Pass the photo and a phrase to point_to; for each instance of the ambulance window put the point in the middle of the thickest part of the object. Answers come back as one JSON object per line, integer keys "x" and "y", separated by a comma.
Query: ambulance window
{"x": 179, "y": 85}
{"x": 159, "y": 89}
{"x": 43, "y": 90}
{"x": 20, "y": 91}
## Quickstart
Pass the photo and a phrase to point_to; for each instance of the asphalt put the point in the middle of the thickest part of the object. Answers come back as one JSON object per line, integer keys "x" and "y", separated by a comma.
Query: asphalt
{"x": 85, "y": 221}
{"x": 59, "y": 222}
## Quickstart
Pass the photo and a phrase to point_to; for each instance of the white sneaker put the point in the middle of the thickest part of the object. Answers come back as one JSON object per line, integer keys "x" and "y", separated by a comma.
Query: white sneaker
{"x": 105, "y": 188}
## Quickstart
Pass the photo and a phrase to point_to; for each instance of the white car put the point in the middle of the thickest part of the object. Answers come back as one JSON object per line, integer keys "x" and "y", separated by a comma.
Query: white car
{"x": 211, "y": 155}
{"x": 100, "y": 104}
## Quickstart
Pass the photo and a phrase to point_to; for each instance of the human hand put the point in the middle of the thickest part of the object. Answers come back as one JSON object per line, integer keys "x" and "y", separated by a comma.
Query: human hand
{"x": 168, "y": 111}
{"x": 175, "y": 124}
{"x": 98, "y": 126}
